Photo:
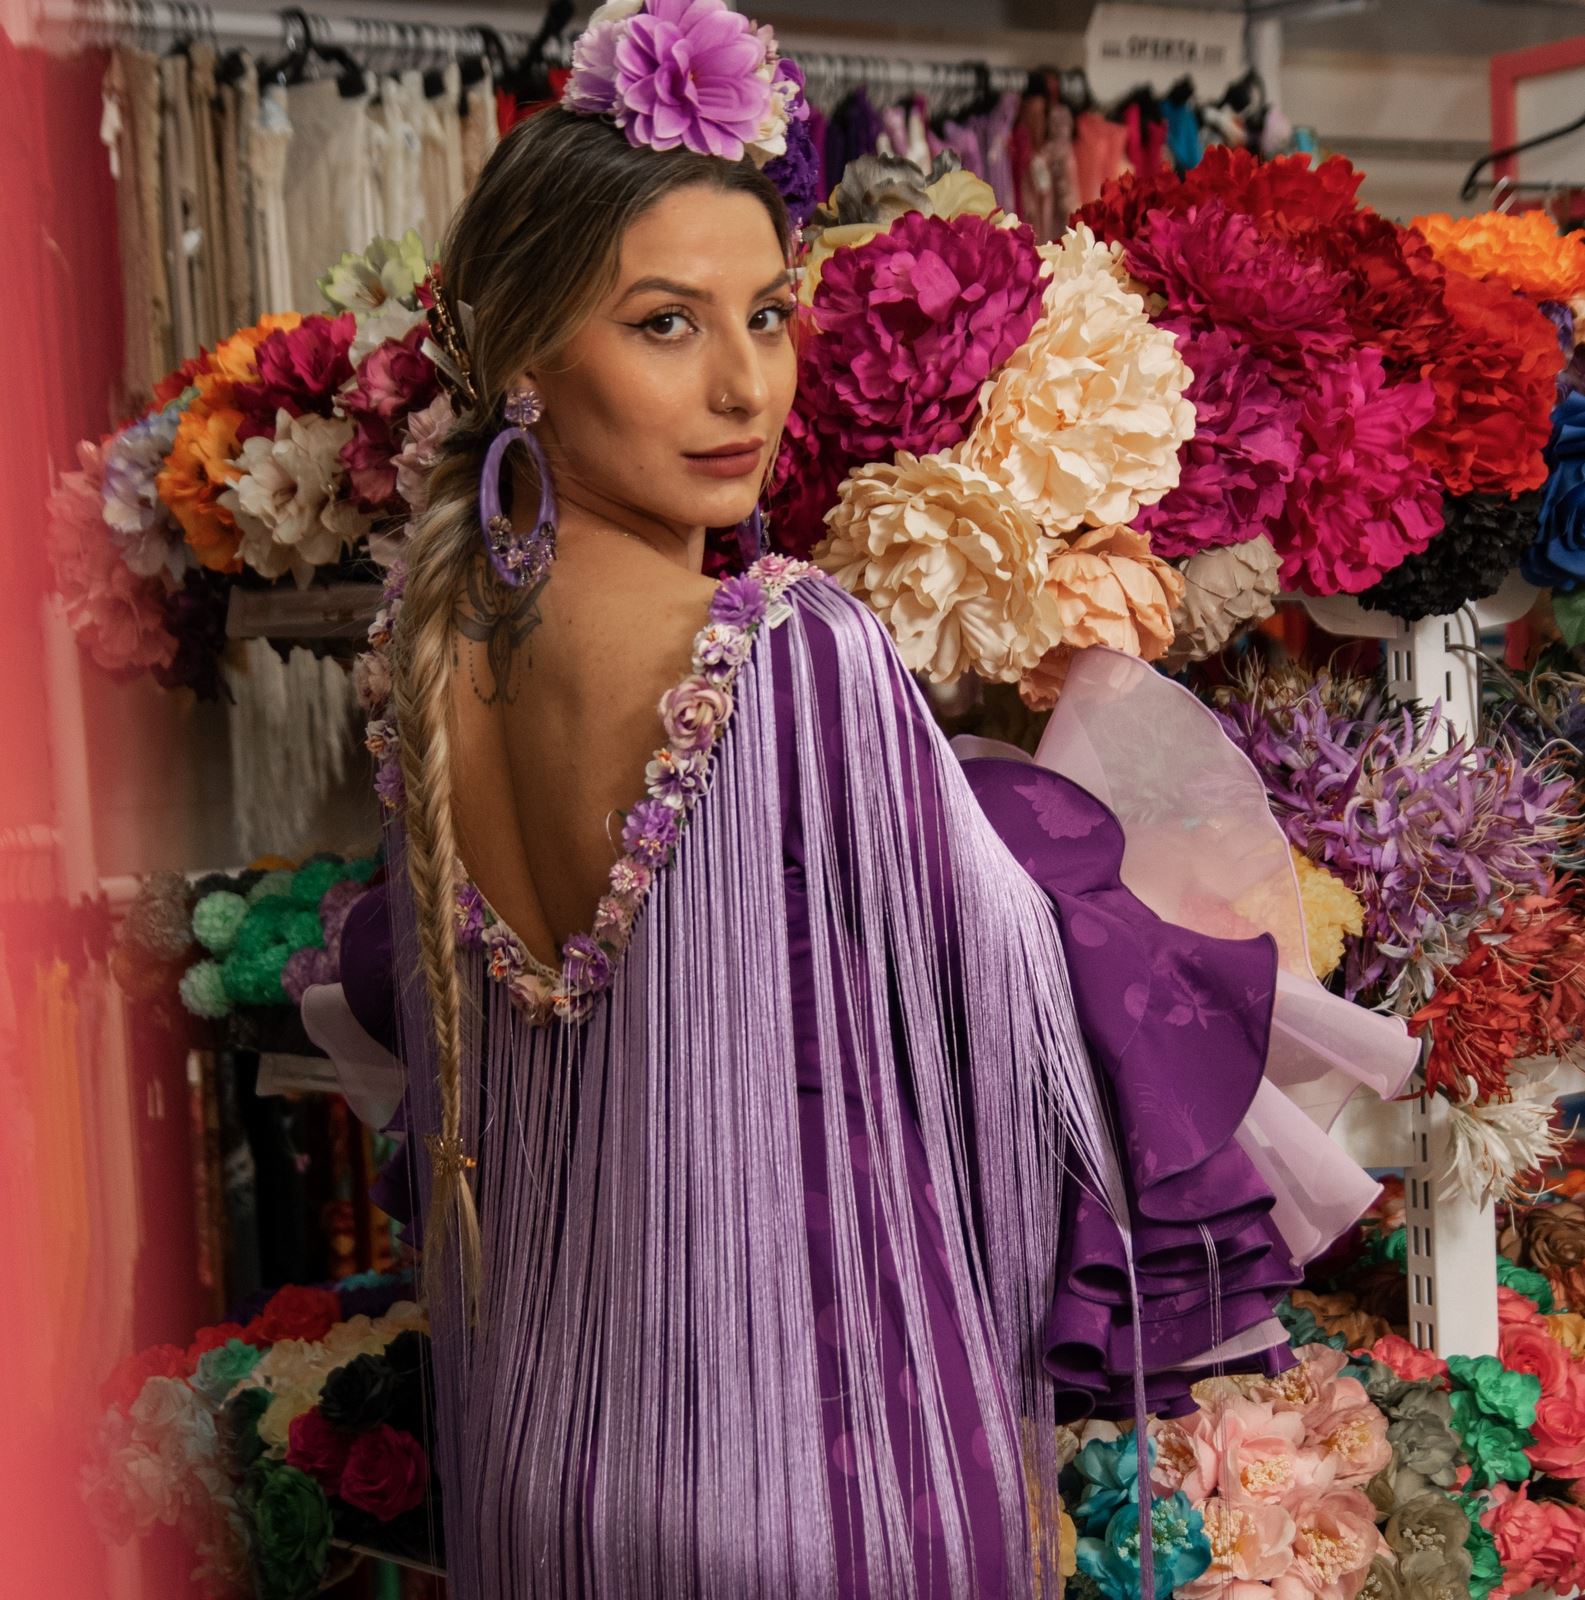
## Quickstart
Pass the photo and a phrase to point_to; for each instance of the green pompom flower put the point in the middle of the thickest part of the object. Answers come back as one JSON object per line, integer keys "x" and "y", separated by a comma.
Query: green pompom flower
{"x": 278, "y": 882}
{"x": 291, "y": 1521}
{"x": 274, "y": 928}
{"x": 216, "y": 919}
{"x": 311, "y": 880}
{"x": 203, "y": 990}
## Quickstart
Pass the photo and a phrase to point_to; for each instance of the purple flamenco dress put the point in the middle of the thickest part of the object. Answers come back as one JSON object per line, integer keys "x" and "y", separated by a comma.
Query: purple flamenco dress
{"x": 904, "y": 1132}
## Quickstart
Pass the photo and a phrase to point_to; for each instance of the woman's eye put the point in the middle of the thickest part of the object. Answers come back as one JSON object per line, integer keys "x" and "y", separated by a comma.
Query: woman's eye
{"x": 773, "y": 318}
{"x": 668, "y": 325}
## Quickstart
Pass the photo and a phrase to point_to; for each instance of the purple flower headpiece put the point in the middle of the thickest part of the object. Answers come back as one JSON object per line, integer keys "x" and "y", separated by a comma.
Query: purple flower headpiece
{"x": 689, "y": 73}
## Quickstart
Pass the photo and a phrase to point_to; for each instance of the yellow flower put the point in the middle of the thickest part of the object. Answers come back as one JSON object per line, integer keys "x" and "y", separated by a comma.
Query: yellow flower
{"x": 955, "y": 568}
{"x": 1331, "y": 910}
{"x": 960, "y": 193}
{"x": 1568, "y": 1328}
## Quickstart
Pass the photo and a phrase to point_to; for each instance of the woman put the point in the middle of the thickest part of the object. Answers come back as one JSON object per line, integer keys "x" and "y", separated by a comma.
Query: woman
{"x": 784, "y": 1193}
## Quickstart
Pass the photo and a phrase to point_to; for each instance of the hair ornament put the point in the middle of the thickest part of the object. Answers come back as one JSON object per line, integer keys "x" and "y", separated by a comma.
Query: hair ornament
{"x": 447, "y": 344}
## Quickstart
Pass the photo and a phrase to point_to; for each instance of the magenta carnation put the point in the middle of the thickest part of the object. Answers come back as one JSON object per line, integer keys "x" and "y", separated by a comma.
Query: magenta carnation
{"x": 1360, "y": 502}
{"x": 1234, "y": 472}
{"x": 803, "y": 483}
{"x": 1216, "y": 271}
{"x": 300, "y": 369}
{"x": 686, "y": 74}
{"x": 911, "y": 323}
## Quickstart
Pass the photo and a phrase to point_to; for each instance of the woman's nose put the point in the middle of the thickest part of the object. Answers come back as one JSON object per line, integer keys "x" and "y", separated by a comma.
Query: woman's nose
{"x": 738, "y": 381}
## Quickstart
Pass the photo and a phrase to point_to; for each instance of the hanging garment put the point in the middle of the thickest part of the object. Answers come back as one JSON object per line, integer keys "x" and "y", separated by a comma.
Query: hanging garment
{"x": 998, "y": 127}
{"x": 129, "y": 128}
{"x": 867, "y": 1006}
{"x": 270, "y": 142}
{"x": 1098, "y": 153}
{"x": 326, "y": 186}
{"x": 441, "y": 161}
{"x": 183, "y": 234}
{"x": 480, "y": 129}
{"x": 238, "y": 117}
{"x": 399, "y": 157}
{"x": 211, "y": 268}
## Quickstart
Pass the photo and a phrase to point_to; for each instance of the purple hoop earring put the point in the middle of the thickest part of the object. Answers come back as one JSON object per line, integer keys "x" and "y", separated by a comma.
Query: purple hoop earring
{"x": 751, "y": 537}
{"x": 518, "y": 558}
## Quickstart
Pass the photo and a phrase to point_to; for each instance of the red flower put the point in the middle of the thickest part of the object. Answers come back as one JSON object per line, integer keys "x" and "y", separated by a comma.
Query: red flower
{"x": 207, "y": 1339}
{"x": 127, "y": 1378}
{"x": 317, "y": 1448}
{"x": 803, "y": 485}
{"x": 295, "y": 1312}
{"x": 300, "y": 370}
{"x": 386, "y": 1472}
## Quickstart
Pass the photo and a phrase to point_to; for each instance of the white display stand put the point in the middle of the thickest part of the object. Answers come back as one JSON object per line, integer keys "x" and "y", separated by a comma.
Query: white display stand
{"x": 1451, "y": 1240}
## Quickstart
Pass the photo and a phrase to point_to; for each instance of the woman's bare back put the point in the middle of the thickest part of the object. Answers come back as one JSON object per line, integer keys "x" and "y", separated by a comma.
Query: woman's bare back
{"x": 554, "y": 719}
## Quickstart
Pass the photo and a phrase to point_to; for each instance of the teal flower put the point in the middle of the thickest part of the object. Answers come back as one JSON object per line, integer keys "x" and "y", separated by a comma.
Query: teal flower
{"x": 1110, "y": 1470}
{"x": 1532, "y": 1285}
{"x": 1180, "y": 1546}
{"x": 1481, "y": 1547}
{"x": 220, "y": 1370}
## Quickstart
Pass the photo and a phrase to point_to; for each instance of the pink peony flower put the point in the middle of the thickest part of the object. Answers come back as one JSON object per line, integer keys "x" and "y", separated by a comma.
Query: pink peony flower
{"x": 1246, "y": 1450}
{"x": 806, "y": 477}
{"x": 426, "y": 433}
{"x": 1353, "y": 1433}
{"x": 300, "y": 370}
{"x": 370, "y": 457}
{"x": 1235, "y": 471}
{"x": 694, "y": 713}
{"x": 1360, "y": 502}
{"x": 1407, "y": 1360}
{"x": 1515, "y": 1307}
{"x": 1335, "y": 1541}
{"x": 686, "y": 73}
{"x": 1541, "y": 1543}
{"x": 393, "y": 379}
{"x": 910, "y": 324}
{"x": 1216, "y": 271}
{"x": 1251, "y": 1545}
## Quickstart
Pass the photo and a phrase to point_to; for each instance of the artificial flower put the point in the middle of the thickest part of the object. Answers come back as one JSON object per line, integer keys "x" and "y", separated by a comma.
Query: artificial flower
{"x": 286, "y": 498}
{"x": 296, "y": 1313}
{"x": 1251, "y": 1544}
{"x": 299, "y": 370}
{"x": 1179, "y": 1546}
{"x": 1557, "y": 558}
{"x": 1109, "y": 590}
{"x": 426, "y": 434}
{"x": 386, "y": 1473}
{"x": 1427, "y": 1534}
{"x": 686, "y": 72}
{"x": 392, "y": 381}
{"x": 316, "y": 1447}
{"x": 1541, "y": 1543}
{"x": 1225, "y": 591}
{"x": 196, "y": 473}
{"x": 149, "y": 540}
{"x": 693, "y": 713}
{"x": 806, "y": 475}
{"x": 1084, "y": 421}
{"x": 117, "y": 616}
{"x": 1408, "y": 1361}
{"x": 1335, "y": 1541}
{"x": 1234, "y": 471}
{"x": 1493, "y": 1411}
{"x": 1521, "y": 249}
{"x": 908, "y": 328}
{"x": 796, "y": 173}
{"x": 387, "y": 272}
{"x": 955, "y": 567}
{"x": 1360, "y": 502}
{"x": 292, "y": 1528}
{"x": 1482, "y": 540}
{"x": 1332, "y": 913}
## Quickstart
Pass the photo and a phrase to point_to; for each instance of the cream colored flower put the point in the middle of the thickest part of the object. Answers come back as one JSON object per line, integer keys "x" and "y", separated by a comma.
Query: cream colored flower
{"x": 1225, "y": 591}
{"x": 1331, "y": 911}
{"x": 286, "y": 501}
{"x": 1084, "y": 420}
{"x": 1110, "y": 590}
{"x": 956, "y": 569}
{"x": 959, "y": 193}
{"x": 275, "y": 1423}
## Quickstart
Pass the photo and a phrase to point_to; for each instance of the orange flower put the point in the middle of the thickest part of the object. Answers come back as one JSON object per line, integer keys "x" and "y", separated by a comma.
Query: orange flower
{"x": 1522, "y": 249}
{"x": 197, "y": 469}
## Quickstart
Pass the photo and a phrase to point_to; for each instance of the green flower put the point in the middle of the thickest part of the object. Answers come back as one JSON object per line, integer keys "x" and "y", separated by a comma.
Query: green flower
{"x": 239, "y": 1424}
{"x": 389, "y": 269}
{"x": 1303, "y": 1329}
{"x": 203, "y": 990}
{"x": 216, "y": 919}
{"x": 1508, "y": 1396}
{"x": 220, "y": 1370}
{"x": 1395, "y": 1246}
{"x": 1495, "y": 1448}
{"x": 1482, "y": 1549}
{"x": 1532, "y": 1285}
{"x": 291, "y": 1533}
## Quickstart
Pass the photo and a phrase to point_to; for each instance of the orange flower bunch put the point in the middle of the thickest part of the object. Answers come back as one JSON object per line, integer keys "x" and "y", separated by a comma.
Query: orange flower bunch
{"x": 1522, "y": 249}
{"x": 201, "y": 462}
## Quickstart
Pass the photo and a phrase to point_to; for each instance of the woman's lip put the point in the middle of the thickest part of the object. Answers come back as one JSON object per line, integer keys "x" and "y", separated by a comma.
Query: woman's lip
{"x": 727, "y": 464}
{"x": 738, "y": 447}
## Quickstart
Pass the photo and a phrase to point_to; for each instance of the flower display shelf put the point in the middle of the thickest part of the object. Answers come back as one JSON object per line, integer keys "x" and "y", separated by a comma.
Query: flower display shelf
{"x": 1452, "y": 1288}
{"x": 328, "y": 611}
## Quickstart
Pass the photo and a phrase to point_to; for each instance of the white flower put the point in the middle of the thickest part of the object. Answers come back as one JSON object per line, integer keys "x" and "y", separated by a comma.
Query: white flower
{"x": 616, "y": 11}
{"x": 286, "y": 502}
{"x": 388, "y": 320}
{"x": 955, "y": 567}
{"x": 1083, "y": 422}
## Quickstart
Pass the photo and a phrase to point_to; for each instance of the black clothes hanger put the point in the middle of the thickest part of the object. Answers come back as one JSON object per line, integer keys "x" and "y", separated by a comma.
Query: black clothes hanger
{"x": 1181, "y": 93}
{"x": 529, "y": 82}
{"x": 1470, "y": 185}
{"x": 293, "y": 67}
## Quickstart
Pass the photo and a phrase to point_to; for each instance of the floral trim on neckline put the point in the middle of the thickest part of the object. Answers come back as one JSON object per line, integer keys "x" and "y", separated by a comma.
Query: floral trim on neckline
{"x": 695, "y": 714}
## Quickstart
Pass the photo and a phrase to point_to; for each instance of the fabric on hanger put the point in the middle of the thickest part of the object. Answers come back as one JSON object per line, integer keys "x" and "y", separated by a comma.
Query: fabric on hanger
{"x": 817, "y": 136}
{"x": 1145, "y": 135}
{"x": 893, "y": 139}
{"x": 130, "y": 100}
{"x": 1183, "y": 133}
{"x": 397, "y": 152}
{"x": 238, "y": 116}
{"x": 1098, "y": 153}
{"x": 271, "y": 146}
{"x": 441, "y": 161}
{"x": 480, "y": 135}
{"x": 179, "y": 200}
{"x": 326, "y": 188}
{"x": 998, "y": 153}
{"x": 211, "y": 267}
{"x": 921, "y": 149}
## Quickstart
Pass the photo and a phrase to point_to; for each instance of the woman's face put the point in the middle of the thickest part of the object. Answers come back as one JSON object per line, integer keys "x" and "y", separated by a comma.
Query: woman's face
{"x": 669, "y": 401}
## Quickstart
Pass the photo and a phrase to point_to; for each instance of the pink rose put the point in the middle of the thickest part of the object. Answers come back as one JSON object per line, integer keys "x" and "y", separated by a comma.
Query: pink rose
{"x": 317, "y": 1448}
{"x": 1514, "y": 1307}
{"x": 1541, "y": 1542}
{"x": 1407, "y": 1360}
{"x": 394, "y": 378}
{"x": 693, "y": 712}
{"x": 1250, "y": 1545}
{"x": 386, "y": 1472}
{"x": 1335, "y": 1541}
{"x": 1305, "y": 1387}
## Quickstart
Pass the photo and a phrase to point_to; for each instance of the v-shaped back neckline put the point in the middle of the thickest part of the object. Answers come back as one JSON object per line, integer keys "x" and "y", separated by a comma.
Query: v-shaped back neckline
{"x": 694, "y": 713}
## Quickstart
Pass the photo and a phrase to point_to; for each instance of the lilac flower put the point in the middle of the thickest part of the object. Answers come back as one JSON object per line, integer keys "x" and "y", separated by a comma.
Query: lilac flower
{"x": 591, "y": 87}
{"x": 686, "y": 74}
{"x": 721, "y": 649}
{"x": 585, "y": 966}
{"x": 1427, "y": 838}
{"x": 650, "y": 832}
{"x": 470, "y": 916}
{"x": 738, "y": 602}
{"x": 388, "y": 784}
{"x": 796, "y": 173}
{"x": 507, "y": 959}
{"x": 676, "y": 776}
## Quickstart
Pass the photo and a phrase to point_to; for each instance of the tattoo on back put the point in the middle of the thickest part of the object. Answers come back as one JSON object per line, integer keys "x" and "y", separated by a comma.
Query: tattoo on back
{"x": 501, "y": 617}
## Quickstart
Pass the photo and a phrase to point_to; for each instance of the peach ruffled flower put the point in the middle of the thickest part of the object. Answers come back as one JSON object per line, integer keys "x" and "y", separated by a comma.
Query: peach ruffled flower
{"x": 953, "y": 565}
{"x": 1109, "y": 590}
{"x": 1334, "y": 1544}
{"x": 1251, "y": 1544}
{"x": 1084, "y": 420}
{"x": 1522, "y": 249}
{"x": 199, "y": 469}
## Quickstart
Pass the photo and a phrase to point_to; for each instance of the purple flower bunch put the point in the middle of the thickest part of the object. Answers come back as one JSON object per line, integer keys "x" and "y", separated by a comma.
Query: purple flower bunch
{"x": 1431, "y": 839}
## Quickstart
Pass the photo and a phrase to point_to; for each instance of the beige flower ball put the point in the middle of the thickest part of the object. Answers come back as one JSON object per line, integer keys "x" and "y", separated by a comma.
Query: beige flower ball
{"x": 1110, "y": 590}
{"x": 1224, "y": 591}
{"x": 1083, "y": 422}
{"x": 955, "y": 568}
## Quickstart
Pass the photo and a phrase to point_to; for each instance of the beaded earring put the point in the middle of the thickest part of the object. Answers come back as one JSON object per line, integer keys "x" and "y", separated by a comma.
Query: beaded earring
{"x": 518, "y": 558}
